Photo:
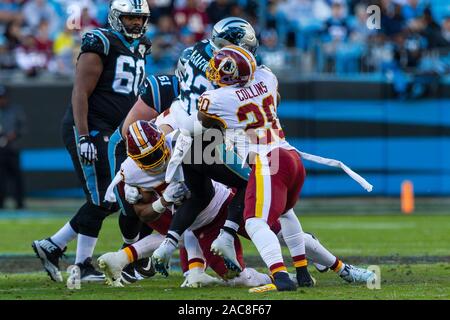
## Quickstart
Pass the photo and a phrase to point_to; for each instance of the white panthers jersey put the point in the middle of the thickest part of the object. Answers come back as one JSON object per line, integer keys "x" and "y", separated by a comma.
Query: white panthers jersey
{"x": 183, "y": 111}
{"x": 249, "y": 114}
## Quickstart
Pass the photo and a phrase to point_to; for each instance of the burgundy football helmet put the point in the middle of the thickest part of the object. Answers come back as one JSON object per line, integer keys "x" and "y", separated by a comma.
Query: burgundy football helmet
{"x": 231, "y": 65}
{"x": 146, "y": 145}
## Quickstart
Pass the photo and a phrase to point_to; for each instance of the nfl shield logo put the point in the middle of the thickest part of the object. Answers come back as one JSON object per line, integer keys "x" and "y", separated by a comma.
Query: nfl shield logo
{"x": 142, "y": 49}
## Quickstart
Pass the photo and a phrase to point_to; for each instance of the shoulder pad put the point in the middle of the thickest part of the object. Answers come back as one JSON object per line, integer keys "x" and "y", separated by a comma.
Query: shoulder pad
{"x": 264, "y": 67}
{"x": 95, "y": 41}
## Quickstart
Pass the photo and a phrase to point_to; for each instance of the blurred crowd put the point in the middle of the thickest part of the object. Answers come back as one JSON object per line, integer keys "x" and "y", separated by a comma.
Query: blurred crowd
{"x": 312, "y": 35}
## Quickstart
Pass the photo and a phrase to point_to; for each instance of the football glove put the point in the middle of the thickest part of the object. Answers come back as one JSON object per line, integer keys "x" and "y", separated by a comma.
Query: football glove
{"x": 132, "y": 194}
{"x": 87, "y": 150}
{"x": 176, "y": 192}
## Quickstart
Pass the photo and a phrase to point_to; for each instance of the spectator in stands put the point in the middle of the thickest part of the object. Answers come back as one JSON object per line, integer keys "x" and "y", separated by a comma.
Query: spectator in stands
{"x": 12, "y": 39}
{"x": 13, "y": 34}
{"x": 432, "y": 31}
{"x": 335, "y": 35}
{"x": 165, "y": 47}
{"x": 392, "y": 21}
{"x": 65, "y": 51}
{"x": 42, "y": 40}
{"x": 303, "y": 18}
{"x": 29, "y": 58}
{"x": 11, "y": 129}
{"x": 34, "y": 11}
{"x": 446, "y": 30}
{"x": 413, "y": 9}
{"x": 187, "y": 39}
{"x": 9, "y": 10}
{"x": 271, "y": 52}
{"x": 160, "y": 8}
{"x": 88, "y": 22}
{"x": 219, "y": 9}
{"x": 193, "y": 16}
{"x": 359, "y": 31}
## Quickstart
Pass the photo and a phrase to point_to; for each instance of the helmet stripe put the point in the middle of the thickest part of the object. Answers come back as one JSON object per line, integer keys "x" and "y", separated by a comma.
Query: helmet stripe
{"x": 248, "y": 55}
{"x": 234, "y": 21}
{"x": 248, "y": 58}
{"x": 138, "y": 135}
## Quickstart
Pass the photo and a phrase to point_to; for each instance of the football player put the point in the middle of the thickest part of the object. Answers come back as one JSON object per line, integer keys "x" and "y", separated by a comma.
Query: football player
{"x": 151, "y": 185}
{"x": 156, "y": 96}
{"x": 149, "y": 151}
{"x": 183, "y": 113}
{"x": 109, "y": 72}
{"x": 246, "y": 103}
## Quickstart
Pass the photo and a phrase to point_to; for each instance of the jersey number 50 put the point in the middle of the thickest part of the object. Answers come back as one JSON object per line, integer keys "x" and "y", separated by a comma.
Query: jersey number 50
{"x": 129, "y": 75}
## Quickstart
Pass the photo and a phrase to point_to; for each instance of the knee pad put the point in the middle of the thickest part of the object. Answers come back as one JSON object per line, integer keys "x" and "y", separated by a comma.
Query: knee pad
{"x": 90, "y": 219}
{"x": 252, "y": 225}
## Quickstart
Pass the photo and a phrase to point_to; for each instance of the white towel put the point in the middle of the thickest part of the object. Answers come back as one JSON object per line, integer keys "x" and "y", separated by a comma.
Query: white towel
{"x": 338, "y": 164}
{"x": 174, "y": 170}
{"x": 110, "y": 196}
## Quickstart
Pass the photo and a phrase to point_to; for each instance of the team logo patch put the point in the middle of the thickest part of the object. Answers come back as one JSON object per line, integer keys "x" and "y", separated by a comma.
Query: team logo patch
{"x": 228, "y": 65}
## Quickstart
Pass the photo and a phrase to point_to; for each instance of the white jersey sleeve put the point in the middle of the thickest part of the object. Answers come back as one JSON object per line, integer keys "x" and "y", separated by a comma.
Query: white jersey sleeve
{"x": 136, "y": 177}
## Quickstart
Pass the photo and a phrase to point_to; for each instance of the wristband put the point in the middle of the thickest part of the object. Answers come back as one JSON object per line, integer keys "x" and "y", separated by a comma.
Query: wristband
{"x": 158, "y": 206}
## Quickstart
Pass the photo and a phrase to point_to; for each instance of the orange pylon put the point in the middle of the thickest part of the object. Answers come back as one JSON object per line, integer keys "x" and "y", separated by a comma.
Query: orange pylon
{"x": 407, "y": 197}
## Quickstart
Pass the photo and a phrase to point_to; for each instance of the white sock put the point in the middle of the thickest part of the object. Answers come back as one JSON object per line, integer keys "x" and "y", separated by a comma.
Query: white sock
{"x": 145, "y": 247}
{"x": 317, "y": 253}
{"x": 292, "y": 233}
{"x": 64, "y": 236}
{"x": 192, "y": 246}
{"x": 265, "y": 241}
{"x": 85, "y": 248}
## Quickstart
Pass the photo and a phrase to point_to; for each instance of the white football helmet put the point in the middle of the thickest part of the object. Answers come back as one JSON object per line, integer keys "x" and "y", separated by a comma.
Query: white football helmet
{"x": 119, "y": 8}
{"x": 234, "y": 30}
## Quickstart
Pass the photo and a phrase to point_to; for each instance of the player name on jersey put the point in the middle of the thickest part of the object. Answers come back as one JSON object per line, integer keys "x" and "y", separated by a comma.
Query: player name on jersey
{"x": 198, "y": 60}
{"x": 252, "y": 91}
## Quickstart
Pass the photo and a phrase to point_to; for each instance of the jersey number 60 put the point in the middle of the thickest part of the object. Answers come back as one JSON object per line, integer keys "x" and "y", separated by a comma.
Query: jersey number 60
{"x": 129, "y": 75}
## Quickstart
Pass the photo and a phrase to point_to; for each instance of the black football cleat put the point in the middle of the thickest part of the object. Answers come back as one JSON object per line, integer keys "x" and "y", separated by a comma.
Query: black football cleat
{"x": 283, "y": 282}
{"x": 128, "y": 274}
{"x": 304, "y": 279}
{"x": 88, "y": 273}
{"x": 144, "y": 268}
{"x": 49, "y": 254}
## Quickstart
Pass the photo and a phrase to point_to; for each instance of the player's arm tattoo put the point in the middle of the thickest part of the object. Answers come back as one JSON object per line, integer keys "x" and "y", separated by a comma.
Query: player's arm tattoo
{"x": 88, "y": 71}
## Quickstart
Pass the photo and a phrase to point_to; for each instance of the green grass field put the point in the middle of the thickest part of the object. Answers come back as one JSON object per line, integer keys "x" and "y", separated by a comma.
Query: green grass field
{"x": 380, "y": 240}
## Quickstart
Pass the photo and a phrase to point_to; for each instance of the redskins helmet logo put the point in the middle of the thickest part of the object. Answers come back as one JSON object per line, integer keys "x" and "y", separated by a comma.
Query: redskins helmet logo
{"x": 228, "y": 66}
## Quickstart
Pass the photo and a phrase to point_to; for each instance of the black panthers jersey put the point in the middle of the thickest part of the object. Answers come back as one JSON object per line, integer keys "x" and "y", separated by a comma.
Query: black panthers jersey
{"x": 194, "y": 82}
{"x": 123, "y": 74}
{"x": 158, "y": 92}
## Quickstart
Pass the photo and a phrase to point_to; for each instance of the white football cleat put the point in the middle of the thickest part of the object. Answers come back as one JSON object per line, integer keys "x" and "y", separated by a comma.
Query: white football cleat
{"x": 249, "y": 277}
{"x": 224, "y": 246}
{"x": 112, "y": 264}
{"x": 161, "y": 256}
{"x": 198, "y": 278}
{"x": 354, "y": 274}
